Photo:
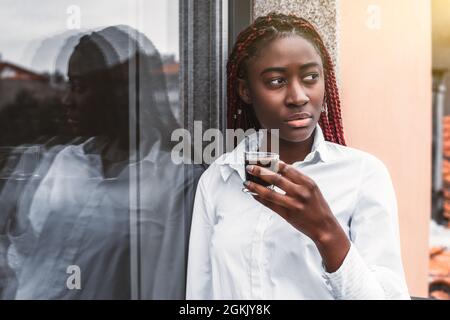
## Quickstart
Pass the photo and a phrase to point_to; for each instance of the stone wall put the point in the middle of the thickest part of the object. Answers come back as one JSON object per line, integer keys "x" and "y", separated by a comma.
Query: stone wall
{"x": 321, "y": 13}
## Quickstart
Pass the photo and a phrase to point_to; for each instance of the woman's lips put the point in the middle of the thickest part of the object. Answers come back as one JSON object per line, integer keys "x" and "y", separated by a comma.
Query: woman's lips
{"x": 73, "y": 122}
{"x": 300, "y": 123}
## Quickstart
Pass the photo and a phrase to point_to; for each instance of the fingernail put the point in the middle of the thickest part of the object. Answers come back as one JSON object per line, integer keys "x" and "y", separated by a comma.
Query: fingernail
{"x": 246, "y": 183}
{"x": 249, "y": 168}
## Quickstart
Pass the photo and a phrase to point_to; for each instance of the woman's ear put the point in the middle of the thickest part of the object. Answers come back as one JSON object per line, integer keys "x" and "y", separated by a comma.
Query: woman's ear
{"x": 244, "y": 91}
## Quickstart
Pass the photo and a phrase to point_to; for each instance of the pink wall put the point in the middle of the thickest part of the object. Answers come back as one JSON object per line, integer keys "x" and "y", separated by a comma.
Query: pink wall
{"x": 385, "y": 74}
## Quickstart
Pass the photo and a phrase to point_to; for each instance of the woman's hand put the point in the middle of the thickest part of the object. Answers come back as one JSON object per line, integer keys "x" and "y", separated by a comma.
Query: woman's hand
{"x": 304, "y": 207}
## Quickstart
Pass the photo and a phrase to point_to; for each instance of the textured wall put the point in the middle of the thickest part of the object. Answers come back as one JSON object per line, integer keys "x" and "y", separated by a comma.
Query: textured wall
{"x": 322, "y": 13}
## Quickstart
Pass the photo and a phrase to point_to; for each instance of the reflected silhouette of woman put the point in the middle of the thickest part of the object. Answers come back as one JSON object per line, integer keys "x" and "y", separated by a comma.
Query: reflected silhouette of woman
{"x": 115, "y": 207}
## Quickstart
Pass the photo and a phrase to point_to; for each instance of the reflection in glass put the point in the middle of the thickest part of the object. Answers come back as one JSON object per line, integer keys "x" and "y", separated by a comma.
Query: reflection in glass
{"x": 88, "y": 179}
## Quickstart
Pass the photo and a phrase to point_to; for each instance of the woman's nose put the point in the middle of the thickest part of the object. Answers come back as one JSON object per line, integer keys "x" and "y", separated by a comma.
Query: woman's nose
{"x": 67, "y": 100}
{"x": 296, "y": 95}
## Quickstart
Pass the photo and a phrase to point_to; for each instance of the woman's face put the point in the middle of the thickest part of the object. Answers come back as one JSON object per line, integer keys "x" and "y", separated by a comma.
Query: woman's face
{"x": 285, "y": 86}
{"x": 82, "y": 103}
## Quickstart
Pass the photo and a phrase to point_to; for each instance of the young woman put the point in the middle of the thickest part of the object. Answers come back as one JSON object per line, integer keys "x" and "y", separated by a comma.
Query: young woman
{"x": 329, "y": 230}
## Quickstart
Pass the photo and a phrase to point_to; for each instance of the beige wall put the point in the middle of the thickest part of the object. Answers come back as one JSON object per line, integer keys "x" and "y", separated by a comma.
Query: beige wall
{"x": 386, "y": 92}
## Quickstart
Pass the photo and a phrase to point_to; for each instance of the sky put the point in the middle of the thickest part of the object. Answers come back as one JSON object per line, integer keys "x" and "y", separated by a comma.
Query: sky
{"x": 25, "y": 23}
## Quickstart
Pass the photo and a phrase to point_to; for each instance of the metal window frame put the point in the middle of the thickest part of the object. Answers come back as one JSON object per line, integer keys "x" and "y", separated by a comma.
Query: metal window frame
{"x": 208, "y": 28}
{"x": 203, "y": 53}
{"x": 439, "y": 90}
{"x": 240, "y": 16}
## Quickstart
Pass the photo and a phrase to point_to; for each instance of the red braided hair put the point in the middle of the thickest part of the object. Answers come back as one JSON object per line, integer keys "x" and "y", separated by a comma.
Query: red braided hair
{"x": 262, "y": 31}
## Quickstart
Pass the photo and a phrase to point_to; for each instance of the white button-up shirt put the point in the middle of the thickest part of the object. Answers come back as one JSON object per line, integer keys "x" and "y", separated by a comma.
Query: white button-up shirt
{"x": 240, "y": 249}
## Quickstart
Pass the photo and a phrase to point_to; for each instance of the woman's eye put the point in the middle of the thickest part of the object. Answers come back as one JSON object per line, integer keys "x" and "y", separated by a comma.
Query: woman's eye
{"x": 277, "y": 82}
{"x": 76, "y": 86}
{"x": 311, "y": 77}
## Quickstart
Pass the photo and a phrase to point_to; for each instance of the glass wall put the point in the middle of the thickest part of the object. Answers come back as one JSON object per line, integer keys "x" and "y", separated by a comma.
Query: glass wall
{"x": 91, "y": 204}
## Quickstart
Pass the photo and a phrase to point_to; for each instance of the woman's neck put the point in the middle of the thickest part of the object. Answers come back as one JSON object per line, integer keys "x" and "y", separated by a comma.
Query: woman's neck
{"x": 291, "y": 152}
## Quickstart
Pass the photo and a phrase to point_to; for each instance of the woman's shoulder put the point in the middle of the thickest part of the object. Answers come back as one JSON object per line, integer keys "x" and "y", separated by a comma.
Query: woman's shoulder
{"x": 213, "y": 170}
{"x": 356, "y": 156}
{"x": 218, "y": 171}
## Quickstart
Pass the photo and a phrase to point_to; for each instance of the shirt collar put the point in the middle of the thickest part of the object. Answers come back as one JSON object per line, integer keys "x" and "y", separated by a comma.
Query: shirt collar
{"x": 319, "y": 147}
{"x": 92, "y": 147}
{"x": 234, "y": 161}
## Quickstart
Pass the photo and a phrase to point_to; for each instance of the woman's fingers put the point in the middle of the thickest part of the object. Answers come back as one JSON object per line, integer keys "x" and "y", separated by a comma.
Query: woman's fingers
{"x": 281, "y": 211}
{"x": 270, "y": 177}
{"x": 270, "y": 195}
{"x": 291, "y": 188}
{"x": 294, "y": 175}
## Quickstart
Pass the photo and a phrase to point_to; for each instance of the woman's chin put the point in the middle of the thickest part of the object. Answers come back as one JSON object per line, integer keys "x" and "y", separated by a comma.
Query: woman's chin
{"x": 296, "y": 135}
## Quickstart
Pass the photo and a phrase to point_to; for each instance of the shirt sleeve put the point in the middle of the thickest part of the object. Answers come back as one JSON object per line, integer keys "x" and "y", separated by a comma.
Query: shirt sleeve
{"x": 373, "y": 267}
{"x": 199, "y": 279}
{"x": 18, "y": 238}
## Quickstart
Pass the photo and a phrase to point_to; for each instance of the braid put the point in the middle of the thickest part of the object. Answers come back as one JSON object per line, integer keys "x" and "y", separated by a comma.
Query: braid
{"x": 249, "y": 41}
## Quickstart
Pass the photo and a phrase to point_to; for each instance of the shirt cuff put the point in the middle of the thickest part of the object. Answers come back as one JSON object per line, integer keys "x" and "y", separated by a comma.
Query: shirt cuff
{"x": 353, "y": 280}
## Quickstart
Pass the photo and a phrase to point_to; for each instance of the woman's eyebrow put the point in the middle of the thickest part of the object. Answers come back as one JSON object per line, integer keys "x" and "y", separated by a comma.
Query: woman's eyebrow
{"x": 282, "y": 69}
{"x": 273, "y": 69}
{"x": 73, "y": 77}
{"x": 310, "y": 65}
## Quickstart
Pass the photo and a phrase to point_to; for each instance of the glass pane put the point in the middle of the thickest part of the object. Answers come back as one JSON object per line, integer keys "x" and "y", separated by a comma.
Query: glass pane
{"x": 93, "y": 207}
